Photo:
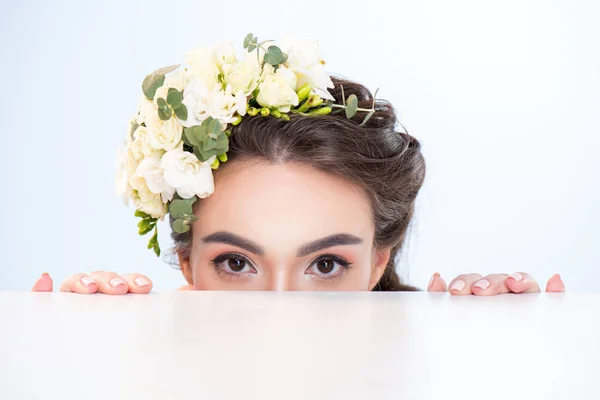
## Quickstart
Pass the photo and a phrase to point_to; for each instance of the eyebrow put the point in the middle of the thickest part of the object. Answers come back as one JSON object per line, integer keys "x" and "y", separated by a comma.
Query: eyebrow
{"x": 339, "y": 239}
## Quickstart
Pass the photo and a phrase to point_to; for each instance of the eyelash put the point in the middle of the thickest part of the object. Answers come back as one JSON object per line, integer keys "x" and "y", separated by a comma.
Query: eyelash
{"x": 345, "y": 265}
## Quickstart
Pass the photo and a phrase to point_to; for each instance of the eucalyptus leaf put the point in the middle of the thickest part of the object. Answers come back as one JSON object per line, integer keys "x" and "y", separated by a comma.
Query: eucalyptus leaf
{"x": 172, "y": 89}
{"x": 209, "y": 144}
{"x": 164, "y": 113}
{"x": 247, "y": 40}
{"x": 190, "y": 136}
{"x": 180, "y": 208}
{"x": 351, "y": 106}
{"x": 367, "y": 118}
{"x": 151, "y": 84}
{"x": 274, "y": 56}
{"x": 215, "y": 127}
{"x": 174, "y": 99}
{"x": 180, "y": 226}
{"x": 161, "y": 102}
{"x": 167, "y": 70}
{"x": 182, "y": 112}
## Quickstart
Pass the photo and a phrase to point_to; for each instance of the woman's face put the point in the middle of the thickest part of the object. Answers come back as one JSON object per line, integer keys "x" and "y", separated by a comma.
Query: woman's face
{"x": 283, "y": 227}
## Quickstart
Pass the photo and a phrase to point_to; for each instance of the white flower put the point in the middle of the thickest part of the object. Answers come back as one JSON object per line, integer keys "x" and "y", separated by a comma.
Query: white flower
{"x": 202, "y": 66}
{"x": 244, "y": 75}
{"x": 146, "y": 109}
{"x": 190, "y": 177}
{"x": 177, "y": 79}
{"x": 223, "y": 53}
{"x": 163, "y": 135}
{"x": 144, "y": 199}
{"x": 140, "y": 146}
{"x": 278, "y": 88}
{"x": 151, "y": 172}
{"x": 305, "y": 60}
{"x": 220, "y": 104}
{"x": 126, "y": 165}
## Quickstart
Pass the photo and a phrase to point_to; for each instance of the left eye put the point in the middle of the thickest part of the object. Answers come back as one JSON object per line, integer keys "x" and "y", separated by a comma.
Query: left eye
{"x": 327, "y": 266}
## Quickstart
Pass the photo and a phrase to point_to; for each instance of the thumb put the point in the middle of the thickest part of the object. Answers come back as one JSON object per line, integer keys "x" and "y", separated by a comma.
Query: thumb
{"x": 43, "y": 284}
{"x": 437, "y": 284}
{"x": 186, "y": 288}
{"x": 555, "y": 284}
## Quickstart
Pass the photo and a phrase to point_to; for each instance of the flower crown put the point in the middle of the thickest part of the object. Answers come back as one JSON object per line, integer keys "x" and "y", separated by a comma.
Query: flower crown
{"x": 182, "y": 127}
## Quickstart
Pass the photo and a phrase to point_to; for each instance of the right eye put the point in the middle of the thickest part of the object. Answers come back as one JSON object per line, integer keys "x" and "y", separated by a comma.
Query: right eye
{"x": 233, "y": 265}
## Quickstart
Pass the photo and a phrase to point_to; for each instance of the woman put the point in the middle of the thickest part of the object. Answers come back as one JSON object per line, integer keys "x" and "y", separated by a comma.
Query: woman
{"x": 305, "y": 199}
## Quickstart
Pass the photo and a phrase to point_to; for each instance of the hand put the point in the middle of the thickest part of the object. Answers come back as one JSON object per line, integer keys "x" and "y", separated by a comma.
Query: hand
{"x": 494, "y": 284}
{"x": 97, "y": 282}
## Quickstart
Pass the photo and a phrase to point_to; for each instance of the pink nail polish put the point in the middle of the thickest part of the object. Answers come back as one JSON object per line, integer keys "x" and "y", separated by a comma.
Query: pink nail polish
{"x": 482, "y": 284}
{"x": 141, "y": 281}
{"x": 114, "y": 282}
{"x": 458, "y": 285}
{"x": 87, "y": 281}
{"x": 517, "y": 276}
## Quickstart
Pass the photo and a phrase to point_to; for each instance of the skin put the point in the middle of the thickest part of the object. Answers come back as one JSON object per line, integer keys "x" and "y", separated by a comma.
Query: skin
{"x": 286, "y": 227}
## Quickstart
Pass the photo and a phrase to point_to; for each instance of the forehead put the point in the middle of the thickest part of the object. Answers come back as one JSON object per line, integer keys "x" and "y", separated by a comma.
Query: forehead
{"x": 273, "y": 203}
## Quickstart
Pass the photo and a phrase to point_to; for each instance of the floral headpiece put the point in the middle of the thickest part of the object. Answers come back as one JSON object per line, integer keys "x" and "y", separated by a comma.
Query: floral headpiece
{"x": 182, "y": 127}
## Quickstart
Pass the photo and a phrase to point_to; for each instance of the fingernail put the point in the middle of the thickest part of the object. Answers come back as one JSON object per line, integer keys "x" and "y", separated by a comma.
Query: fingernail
{"x": 517, "y": 276}
{"x": 142, "y": 281}
{"x": 114, "y": 282}
{"x": 87, "y": 281}
{"x": 483, "y": 284}
{"x": 458, "y": 285}
{"x": 431, "y": 281}
{"x": 45, "y": 274}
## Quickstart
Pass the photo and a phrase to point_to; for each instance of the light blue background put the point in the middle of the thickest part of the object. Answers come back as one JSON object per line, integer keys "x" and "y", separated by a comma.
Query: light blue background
{"x": 504, "y": 96}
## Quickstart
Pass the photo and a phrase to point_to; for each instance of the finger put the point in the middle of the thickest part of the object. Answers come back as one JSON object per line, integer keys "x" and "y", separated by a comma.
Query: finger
{"x": 79, "y": 283}
{"x": 43, "y": 284}
{"x": 490, "y": 285}
{"x": 186, "y": 288}
{"x": 555, "y": 284}
{"x": 462, "y": 284}
{"x": 520, "y": 282}
{"x": 110, "y": 282}
{"x": 437, "y": 284}
{"x": 138, "y": 283}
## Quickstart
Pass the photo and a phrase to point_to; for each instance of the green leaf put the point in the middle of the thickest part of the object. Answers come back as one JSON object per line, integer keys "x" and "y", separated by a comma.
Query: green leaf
{"x": 174, "y": 99}
{"x": 157, "y": 250}
{"x": 134, "y": 127}
{"x": 144, "y": 227}
{"x": 167, "y": 70}
{"x": 180, "y": 208}
{"x": 248, "y": 40}
{"x": 203, "y": 155}
{"x": 141, "y": 214}
{"x": 151, "y": 84}
{"x": 253, "y": 45}
{"x": 161, "y": 102}
{"x": 164, "y": 113}
{"x": 274, "y": 56}
{"x": 215, "y": 127}
{"x": 190, "y": 135}
{"x": 367, "y": 118}
{"x": 351, "y": 106}
{"x": 154, "y": 239}
{"x": 182, "y": 112}
{"x": 180, "y": 226}
{"x": 209, "y": 144}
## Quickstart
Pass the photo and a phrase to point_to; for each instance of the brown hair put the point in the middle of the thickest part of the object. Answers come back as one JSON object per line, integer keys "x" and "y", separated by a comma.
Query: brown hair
{"x": 385, "y": 162}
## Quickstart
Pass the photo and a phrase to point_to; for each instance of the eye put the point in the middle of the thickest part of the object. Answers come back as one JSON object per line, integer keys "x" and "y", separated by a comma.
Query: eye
{"x": 328, "y": 266}
{"x": 233, "y": 264}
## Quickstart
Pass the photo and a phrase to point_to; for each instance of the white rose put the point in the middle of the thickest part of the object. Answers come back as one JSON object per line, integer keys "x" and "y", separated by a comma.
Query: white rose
{"x": 190, "y": 177}
{"x": 305, "y": 60}
{"x": 151, "y": 172}
{"x": 177, "y": 79}
{"x": 146, "y": 109}
{"x": 278, "y": 88}
{"x": 145, "y": 200}
{"x": 163, "y": 135}
{"x": 220, "y": 104}
{"x": 140, "y": 146}
{"x": 196, "y": 97}
{"x": 126, "y": 165}
{"x": 202, "y": 66}
{"x": 223, "y": 53}
{"x": 244, "y": 75}
{"x": 223, "y": 105}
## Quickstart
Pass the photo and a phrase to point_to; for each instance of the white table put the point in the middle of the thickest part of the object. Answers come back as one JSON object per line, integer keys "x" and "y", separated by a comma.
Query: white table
{"x": 256, "y": 345}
